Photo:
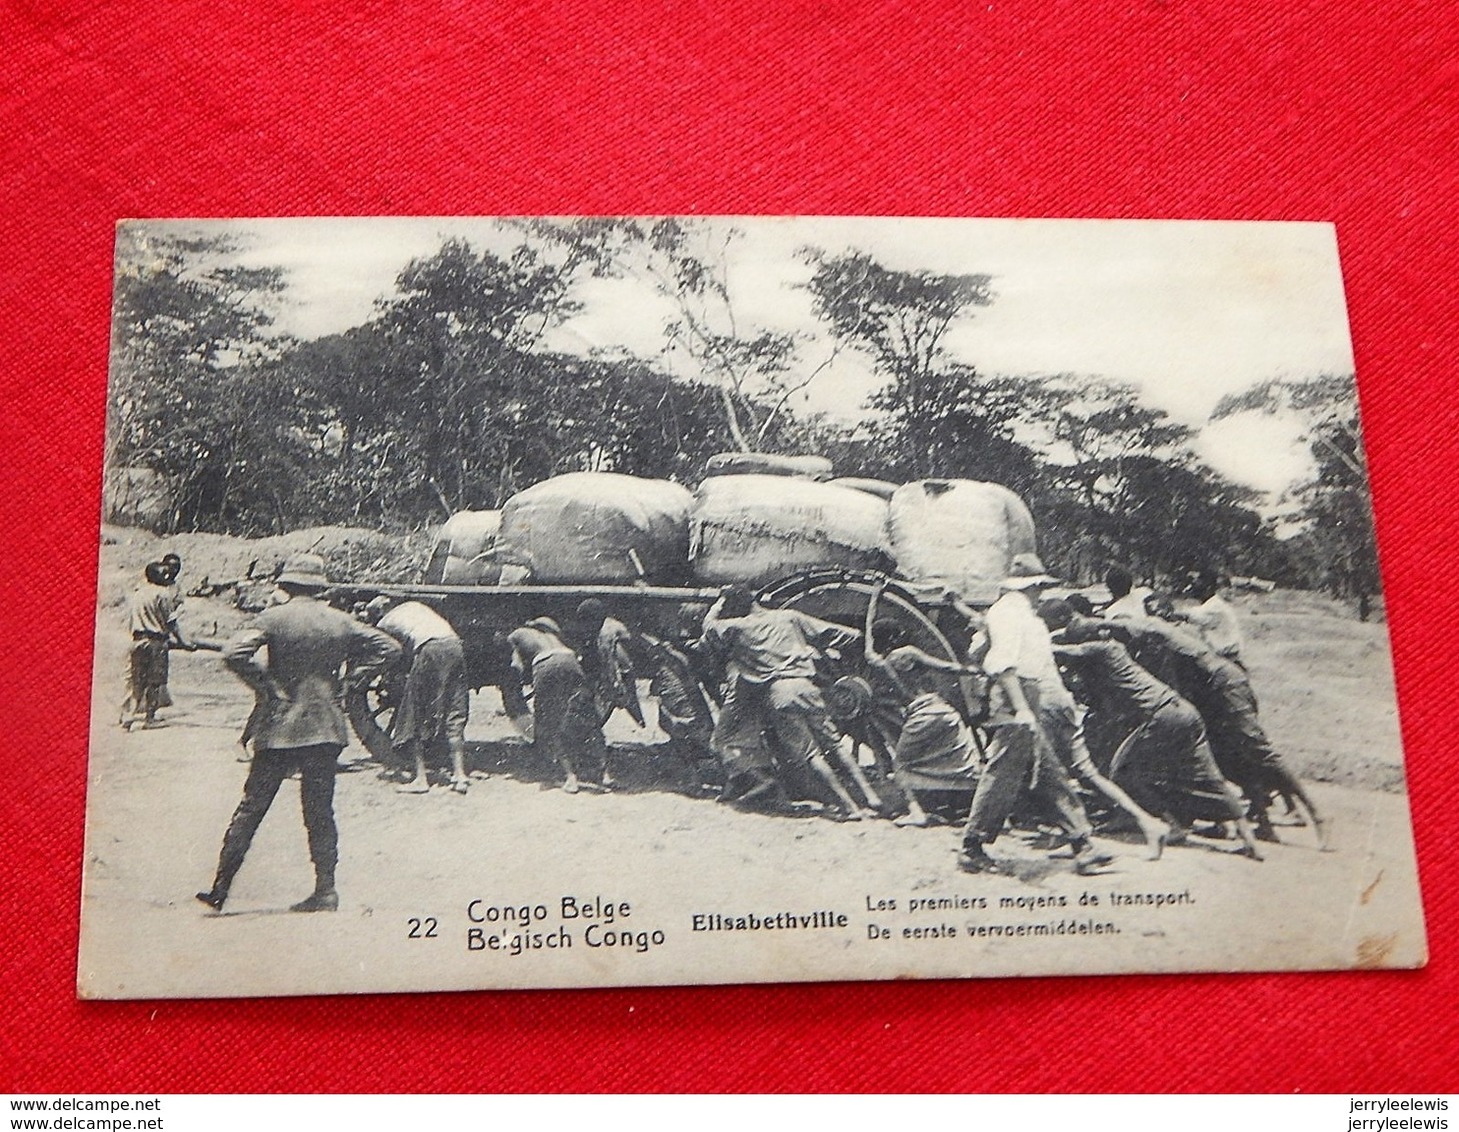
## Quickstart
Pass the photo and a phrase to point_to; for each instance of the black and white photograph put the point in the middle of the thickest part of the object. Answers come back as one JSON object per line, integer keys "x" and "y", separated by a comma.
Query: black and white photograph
{"x": 564, "y": 602}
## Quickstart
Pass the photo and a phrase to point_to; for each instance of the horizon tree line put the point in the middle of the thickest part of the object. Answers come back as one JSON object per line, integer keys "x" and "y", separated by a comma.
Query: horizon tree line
{"x": 446, "y": 399}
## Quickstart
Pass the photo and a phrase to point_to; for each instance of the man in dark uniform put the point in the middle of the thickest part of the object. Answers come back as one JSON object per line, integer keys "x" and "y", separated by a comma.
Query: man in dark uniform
{"x": 303, "y": 726}
{"x": 1165, "y": 763}
{"x": 1221, "y": 691}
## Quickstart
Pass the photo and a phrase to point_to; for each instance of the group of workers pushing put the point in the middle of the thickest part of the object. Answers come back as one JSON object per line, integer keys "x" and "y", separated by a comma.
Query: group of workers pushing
{"x": 1137, "y": 712}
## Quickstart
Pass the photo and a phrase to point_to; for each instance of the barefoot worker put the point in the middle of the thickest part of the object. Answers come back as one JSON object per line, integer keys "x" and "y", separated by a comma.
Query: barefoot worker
{"x": 1221, "y": 691}
{"x": 1126, "y": 598}
{"x": 934, "y": 749}
{"x": 606, "y": 654}
{"x": 565, "y": 723}
{"x": 1165, "y": 763}
{"x": 772, "y": 657}
{"x": 435, "y": 702}
{"x": 152, "y": 617}
{"x": 1214, "y": 617}
{"x": 304, "y": 728}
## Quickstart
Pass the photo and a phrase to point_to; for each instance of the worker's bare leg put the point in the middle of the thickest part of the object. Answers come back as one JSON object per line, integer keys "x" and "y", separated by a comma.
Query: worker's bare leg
{"x": 1064, "y": 728}
{"x": 1293, "y": 791}
{"x": 853, "y": 812}
{"x": 459, "y": 782}
{"x": 1244, "y": 829}
{"x": 873, "y": 799}
{"x": 915, "y": 815}
{"x": 419, "y": 783}
{"x": 1155, "y": 832}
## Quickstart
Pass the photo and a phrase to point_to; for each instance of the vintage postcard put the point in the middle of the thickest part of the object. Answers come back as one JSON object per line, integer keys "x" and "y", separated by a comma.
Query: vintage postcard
{"x": 546, "y": 602}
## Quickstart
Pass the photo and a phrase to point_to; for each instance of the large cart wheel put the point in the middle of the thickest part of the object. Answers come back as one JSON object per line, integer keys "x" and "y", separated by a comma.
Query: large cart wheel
{"x": 863, "y": 705}
{"x": 370, "y": 708}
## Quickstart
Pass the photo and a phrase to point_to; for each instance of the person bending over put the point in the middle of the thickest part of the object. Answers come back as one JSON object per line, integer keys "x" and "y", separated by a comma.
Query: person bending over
{"x": 935, "y": 749}
{"x": 565, "y": 724}
{"x": 1165, "y": 763}
{"x": 435, "y": 701}
{"x": 771, "y": 660}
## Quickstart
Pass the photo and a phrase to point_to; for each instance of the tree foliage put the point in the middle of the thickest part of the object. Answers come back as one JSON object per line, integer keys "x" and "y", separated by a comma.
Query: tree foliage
{"x": 193, "y": 389}
{"x": 752, "y": 369}
{"x": 1333, "y": 507}
{"x": 449, "y": 396}
{"x": 898, "y": 318}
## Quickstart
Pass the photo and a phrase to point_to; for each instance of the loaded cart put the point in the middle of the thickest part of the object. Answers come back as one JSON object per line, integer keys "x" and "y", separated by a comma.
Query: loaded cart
{"x": 861, "y": 705}
{"x": 649, "y": 550}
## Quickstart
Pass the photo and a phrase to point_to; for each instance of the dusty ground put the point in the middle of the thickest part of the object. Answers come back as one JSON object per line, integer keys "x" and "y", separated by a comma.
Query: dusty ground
{"x": 159, "y": 801}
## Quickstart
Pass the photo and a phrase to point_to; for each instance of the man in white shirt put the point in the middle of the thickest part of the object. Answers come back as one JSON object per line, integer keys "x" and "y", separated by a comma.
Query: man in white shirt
{"x": 1126, "y": 598}
{"x": 1020, "y": 661}
{"x": 436, "y": 701}
{"x": 1214, "y": 617}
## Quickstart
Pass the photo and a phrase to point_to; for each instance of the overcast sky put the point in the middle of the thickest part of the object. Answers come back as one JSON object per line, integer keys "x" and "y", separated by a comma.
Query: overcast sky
{"x": 1187, "y": 311}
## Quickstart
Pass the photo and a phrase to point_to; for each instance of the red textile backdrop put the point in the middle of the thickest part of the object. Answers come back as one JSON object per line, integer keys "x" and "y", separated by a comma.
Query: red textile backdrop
{"x": 1341, "y": 110}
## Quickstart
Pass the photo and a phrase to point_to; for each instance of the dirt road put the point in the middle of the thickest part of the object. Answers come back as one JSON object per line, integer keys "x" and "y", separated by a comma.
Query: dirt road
{"x": 711, "y": 894}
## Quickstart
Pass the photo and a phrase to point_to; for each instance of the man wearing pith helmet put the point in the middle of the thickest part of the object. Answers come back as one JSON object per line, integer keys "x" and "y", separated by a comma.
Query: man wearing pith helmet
{"x": 1020, "y": 662}
{"x": 302, "y": 726}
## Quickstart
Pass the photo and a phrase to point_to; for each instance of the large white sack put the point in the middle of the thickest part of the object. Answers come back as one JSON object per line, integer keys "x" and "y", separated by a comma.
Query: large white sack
{"x": 767, "y": 464}
{"x": 754, "y": 529}
{"x": 462, "y": 554}
{"x": 597, "y": 527}
{"x": 961, "y": 533}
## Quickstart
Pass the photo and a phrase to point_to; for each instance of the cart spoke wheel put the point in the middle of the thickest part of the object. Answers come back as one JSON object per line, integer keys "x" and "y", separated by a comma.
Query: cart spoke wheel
{"x": 843, "y": 596}
{"x": 371, "y": 710}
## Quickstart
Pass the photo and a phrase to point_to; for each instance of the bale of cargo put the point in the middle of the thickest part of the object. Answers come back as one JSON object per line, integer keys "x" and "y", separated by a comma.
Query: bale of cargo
{"x": 596, "y": 527}
{"x": 960, "y": 533}
{"x": 767, "y": 464}
{"x": 463, "y": 551}
{"x": 754, "y": 529}
{"x": 882, "y": 489}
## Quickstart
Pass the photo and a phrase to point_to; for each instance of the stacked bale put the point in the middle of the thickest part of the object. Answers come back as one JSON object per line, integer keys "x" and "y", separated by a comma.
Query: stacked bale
{"x": 739, "y": 527}
{"x": 767, "y": 464}
{"x": 756, "y": 528}
{"x": 962, "y": 533}
{"x": 596, "y": 527}
{"x": 462, "y": 554}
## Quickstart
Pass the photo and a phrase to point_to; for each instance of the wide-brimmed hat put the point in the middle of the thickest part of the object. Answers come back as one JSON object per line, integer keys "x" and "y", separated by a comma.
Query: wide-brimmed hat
{"x": 306, "y": 570}
{"x": 1027, "y": 571}
{"x": 545, "y": 625}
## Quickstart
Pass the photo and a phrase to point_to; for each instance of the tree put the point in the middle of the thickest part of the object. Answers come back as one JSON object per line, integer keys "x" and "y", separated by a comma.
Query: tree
{"x": 439, "y": 379}
{"x": 1333, "y": 506}
{"x": 1128, "y": 488}
{"x": 966, "y": 426}
{"x": 898, "y": 318}
{"x": 751, "y": 369}
{"x": 446, "y": 398}
{"x": 192, "y": 386}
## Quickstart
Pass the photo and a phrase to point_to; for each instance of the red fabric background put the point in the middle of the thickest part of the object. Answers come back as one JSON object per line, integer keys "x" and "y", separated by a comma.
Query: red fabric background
{"x": 1340, "y": 110}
